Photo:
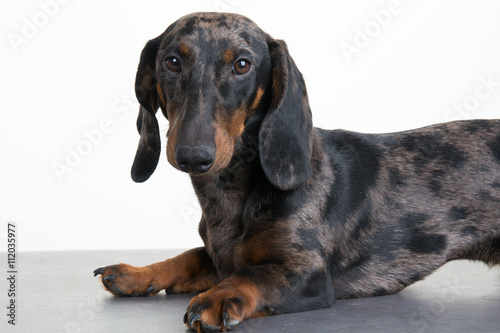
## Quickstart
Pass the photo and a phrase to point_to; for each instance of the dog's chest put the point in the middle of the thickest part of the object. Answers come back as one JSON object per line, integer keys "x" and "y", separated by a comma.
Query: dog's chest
{"x": 222, "y": 227}
{"x": 221, "y": 243}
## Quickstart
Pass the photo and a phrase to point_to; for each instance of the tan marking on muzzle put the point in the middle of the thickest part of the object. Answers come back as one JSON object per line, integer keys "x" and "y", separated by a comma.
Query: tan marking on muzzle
{"x": 224, "y": 146}
{"x": 173, "y": 131}
{"x": 160, "y": 96}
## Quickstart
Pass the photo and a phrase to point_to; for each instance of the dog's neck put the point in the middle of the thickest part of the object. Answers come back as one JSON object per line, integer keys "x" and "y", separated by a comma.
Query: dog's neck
{"x": 222, "y": 194}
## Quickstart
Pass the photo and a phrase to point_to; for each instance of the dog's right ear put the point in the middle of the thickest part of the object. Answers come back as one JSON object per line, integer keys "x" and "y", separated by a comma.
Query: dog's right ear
{"x": 148, "y": 151}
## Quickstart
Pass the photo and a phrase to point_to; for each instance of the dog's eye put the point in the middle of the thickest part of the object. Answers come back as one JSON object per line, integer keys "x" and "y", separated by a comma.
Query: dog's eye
{"x": 174, "y": 64}
{"x": 241, "y": 66}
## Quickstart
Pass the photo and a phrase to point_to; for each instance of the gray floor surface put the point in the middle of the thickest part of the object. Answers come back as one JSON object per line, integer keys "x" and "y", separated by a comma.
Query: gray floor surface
{"x": 56, "y": 292}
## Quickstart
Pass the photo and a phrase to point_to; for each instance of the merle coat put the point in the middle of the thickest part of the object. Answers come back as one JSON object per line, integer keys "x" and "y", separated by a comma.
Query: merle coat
{"x": 294, "y": 216}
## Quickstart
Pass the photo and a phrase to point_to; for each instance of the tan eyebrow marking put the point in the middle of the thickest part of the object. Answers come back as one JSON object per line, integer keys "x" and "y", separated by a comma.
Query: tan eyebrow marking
{"x": 184, "y": 49}
{"x": 228, "y": 55}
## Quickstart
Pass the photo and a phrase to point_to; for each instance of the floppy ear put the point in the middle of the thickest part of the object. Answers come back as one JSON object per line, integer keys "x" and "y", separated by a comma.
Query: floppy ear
{"x": 285, "y": 135}
{"x": 148, "y": 151}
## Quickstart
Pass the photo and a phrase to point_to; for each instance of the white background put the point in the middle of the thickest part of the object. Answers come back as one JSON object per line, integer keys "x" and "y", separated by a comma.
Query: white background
{"x": 68, "y": 67}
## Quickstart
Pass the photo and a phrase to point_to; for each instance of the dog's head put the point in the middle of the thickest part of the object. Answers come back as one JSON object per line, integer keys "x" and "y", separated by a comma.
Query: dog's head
{"x": 212, "y": 75}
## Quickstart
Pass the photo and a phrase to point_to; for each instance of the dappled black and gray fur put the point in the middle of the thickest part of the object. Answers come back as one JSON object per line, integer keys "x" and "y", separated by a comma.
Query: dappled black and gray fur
{"x": 295, "y": 217}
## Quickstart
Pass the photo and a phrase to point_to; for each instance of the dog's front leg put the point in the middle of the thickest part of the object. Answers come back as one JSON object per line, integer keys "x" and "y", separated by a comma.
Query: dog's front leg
{"x": 191, "y": 271}
{"x": 257, "y": 291}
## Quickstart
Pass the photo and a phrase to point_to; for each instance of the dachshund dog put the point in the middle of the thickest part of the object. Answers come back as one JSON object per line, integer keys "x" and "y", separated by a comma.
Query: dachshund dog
{"x": 295, "y": 217}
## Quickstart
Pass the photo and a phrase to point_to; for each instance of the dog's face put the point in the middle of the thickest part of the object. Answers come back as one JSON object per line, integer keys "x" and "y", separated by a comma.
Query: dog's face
{"x": 213, "y": 74}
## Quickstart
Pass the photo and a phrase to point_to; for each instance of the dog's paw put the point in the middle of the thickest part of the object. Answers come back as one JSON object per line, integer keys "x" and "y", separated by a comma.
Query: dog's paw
{"x": 126, "y": 280}
{"x": 217, "y": 310}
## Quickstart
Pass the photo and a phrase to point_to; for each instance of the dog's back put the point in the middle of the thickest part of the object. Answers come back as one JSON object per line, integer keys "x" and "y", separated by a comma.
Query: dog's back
{"x": 416, "y": 200}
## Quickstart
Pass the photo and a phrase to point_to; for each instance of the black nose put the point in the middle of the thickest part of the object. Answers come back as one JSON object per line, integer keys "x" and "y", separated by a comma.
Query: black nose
{"x": 195, "y": 159}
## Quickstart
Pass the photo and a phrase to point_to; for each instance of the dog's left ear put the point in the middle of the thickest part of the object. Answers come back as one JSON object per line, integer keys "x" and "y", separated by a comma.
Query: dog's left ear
{"x": 285, "y": 135}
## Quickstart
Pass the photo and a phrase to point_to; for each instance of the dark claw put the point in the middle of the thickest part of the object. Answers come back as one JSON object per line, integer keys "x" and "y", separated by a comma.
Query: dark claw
{"x": 185, "y": 319}
{"x": 229, "y": 323}
{"x": 99, "y": 271}
{"x": 108, "y": 282}
{"x": 109, "y": 278}
{"x": 225, "y": 319}
{"x": 210, "y": 328}
{"x": 193, "y": 317}
{"x": 150, "y": 289}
